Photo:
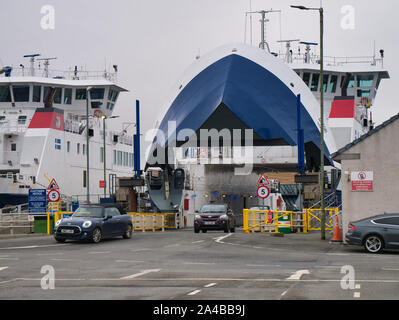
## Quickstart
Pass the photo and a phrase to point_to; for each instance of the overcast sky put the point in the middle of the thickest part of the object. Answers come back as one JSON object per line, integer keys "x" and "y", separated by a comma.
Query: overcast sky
{"x": 154, "y": 41}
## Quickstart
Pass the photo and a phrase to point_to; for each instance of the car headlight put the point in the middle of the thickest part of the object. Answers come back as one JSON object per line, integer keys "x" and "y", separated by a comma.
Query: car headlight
{"x": 58, "y": 222}
{"x": 223, "y": 216}
{"x": 197, "y": 216}
{"x": 86, "y": 224}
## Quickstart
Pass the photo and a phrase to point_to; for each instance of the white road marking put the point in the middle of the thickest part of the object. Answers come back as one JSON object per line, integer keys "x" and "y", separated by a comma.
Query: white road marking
{"x": 3, "y": 268}
{"x": 130, "y": 261}
{"x": 356, "y": 294}
{"x": 263, "y": 265}
{"x": 142, "y": 249}
{"x": 297, "y": 275}
{"x": 172, "y": 245}
{"x": 136, "y": 275}
{"x": 37, "y": 246}
{"x": 219, "y": 239}
{"x": 9, "y": 259}
{"x": 194, "y": 292}
{"x": 209, "y": 285}
{"x": 201, "y": 263}
{"x": 284, "y": 293}
{"x": 58, "y": 259}
{"x": 390, "y": 269}
{"x": 199, "y": 241}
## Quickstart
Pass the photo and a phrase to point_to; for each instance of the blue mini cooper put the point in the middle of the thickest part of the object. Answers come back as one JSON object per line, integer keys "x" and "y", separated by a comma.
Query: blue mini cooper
{"x": 94, "y": 223}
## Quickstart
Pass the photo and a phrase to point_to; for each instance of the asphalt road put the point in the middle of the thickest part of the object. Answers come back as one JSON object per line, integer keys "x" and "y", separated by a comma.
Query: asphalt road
{"x": 182, "y": 265}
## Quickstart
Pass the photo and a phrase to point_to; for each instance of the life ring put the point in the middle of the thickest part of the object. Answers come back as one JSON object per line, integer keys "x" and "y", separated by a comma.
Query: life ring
{"x": 98, "y": 113}
{"x": 364, "y": 101}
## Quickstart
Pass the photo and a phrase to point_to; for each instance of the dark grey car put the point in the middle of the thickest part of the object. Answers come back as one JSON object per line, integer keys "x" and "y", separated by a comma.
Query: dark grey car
{"x": 375, "y": 233}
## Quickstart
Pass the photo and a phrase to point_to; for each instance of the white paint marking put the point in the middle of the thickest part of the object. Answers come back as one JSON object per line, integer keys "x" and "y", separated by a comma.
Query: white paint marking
{"x": 263, "y": 265}
{"x": 205, "y": 263}
{"x": 9, "y": 259}
{"x": 357, "y": 286}
{"x": 33, "y": 247}
{"x": 209, "y": 285}
{"x": 130, "y": 261}
{"x": 194, "y": 292}
{"x": 356, "y": 295}
{"x": 172, "y": 245}
{"x": 219, "y": 239}
{"x": 199, "y": 241}
{"x": 136, "y": 275}
{"x": 297, "y": 275}
{"x": 100, "y": 252}
{"x": 3, "y": 268}
{"x": 390, "y": 269}
{"x": 57, "y": 259}
{"x": 284, "y": 293}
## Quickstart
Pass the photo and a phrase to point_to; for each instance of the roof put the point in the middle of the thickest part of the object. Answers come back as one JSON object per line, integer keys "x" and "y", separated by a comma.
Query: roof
{"x": 365, "y": 136}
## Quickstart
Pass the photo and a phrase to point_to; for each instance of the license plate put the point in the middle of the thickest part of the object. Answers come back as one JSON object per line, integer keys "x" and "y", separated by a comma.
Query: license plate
{"x": 66, "y": 231}
{"x": 209, "y": 222}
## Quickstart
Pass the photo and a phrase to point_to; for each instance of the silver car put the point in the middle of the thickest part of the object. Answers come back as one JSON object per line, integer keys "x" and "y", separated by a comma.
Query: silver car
{"x": 375, "y": 233}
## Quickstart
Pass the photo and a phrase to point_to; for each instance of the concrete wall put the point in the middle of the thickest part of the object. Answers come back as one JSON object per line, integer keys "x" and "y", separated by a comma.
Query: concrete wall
{"x": 378, "y": 153}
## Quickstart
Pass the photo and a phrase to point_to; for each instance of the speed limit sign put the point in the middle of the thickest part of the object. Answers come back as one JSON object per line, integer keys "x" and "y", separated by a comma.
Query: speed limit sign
{"x": 53, "y": 195}
{"x": 263, "y": 192}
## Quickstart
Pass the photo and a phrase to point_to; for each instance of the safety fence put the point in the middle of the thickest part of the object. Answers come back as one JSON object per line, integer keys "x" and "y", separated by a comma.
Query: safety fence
{"x": 15, "y": 223}
{"x": 146, "y": 221}
{"x": 276, "y": 221}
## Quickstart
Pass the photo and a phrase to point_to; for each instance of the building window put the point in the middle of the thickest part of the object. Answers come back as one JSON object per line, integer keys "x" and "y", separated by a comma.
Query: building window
{"x": 84, "y": 149}
{"x": 78, "y": 148}
{"x": 5, "y": 95}
{"x": 333, "y": 83}
{"x": 57, "y": 144}
{"x": 115, "y": 157}
{"x": 80, "y": 94}
{"x": 84, "y": 179}
{"x": 67, "y": 96}
{"x": 315, "y": 82}
{"x": 21, "y": 93}
{"x": 68, "y": 146}
{"x": 101, "y": 154}
{"x": 37, "y": 90}
{"x": 119, "y": 158}
{"x": 13, "y": 147}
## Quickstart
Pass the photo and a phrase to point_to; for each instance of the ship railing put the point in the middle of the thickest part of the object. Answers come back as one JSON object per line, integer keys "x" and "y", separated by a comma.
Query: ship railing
{"x": 12, "y": 126}
{"x": 332, "y": 60}
{"x": 74, "y": 126}
{"x": 62, "y": 74}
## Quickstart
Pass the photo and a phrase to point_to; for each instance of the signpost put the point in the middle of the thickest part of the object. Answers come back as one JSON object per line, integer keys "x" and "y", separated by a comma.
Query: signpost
{"x": 37, "y": 201}
{"x": 263, "y": 192}
{"x": 362, "y": 181}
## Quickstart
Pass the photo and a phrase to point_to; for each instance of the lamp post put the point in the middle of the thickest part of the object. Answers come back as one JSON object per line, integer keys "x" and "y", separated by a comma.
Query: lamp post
{"x": 104, "y": 154}
{"x": 87, "y": 148}
{"x": 323, "y": 214}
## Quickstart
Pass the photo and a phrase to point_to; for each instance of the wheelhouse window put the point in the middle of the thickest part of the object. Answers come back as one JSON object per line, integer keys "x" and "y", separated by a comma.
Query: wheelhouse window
{"x": 351, "y": 83}
{"x": 363, "y": 93}
{"x": 21, "y": 93}
{"x": 333, "y": 83}
{"x": 315, "y": 82}
{"x": 80, "y": 94}
{"x": 5, "y": 95}
{"x": 58, "y": 95}
{"x": 365, "y": 80}
{"x": 97, "y": 93}
{"x": 67, "y": 96}
{"x": 110, "y": 106}
{"x": 37, "y": 90}
{"x": 96, "y": 104}
{"x": 306, "y": 78}
{"x": 325, "y": 82}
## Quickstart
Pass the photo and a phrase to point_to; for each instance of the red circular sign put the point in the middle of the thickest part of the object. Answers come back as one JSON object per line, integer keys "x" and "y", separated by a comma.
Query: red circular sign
{"x": 263, "y": 192}
{"x": 53, "y": 195}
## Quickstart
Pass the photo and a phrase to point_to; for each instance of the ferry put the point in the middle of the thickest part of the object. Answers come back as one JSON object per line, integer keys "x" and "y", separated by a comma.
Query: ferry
{"x": 44, "y": 131}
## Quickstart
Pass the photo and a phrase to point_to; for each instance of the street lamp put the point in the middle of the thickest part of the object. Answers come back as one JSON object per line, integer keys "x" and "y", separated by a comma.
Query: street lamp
{"x": 323, "y": 214}
{"x": 104, "y": 154}
{"x": 87, "y": 144}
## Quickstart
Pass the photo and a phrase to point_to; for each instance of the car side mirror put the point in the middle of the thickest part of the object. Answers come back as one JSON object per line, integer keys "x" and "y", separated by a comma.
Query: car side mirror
{"x": 108, "y": 216}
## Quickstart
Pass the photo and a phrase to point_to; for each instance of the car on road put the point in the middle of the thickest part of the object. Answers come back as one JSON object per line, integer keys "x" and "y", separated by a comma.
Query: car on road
{"x": 214, "y": 217}
{"x": 375, "y": 233}
{"x": 94, "y": 223}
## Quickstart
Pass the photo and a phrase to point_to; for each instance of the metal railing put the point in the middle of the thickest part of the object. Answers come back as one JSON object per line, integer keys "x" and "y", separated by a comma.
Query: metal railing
{"x": 145, "y": 221}
{"x": 15, "y": 222}
{"x": 275, "y": 221}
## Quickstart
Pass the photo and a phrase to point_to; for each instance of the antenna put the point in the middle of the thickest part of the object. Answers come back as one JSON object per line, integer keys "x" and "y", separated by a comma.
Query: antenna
{"x": 32, "y": 62}
{"x": 307, "y": 49}
{"x": 46, "y": 63}
{"x": 263, "y": 21}
{"x": 288, "y": 54}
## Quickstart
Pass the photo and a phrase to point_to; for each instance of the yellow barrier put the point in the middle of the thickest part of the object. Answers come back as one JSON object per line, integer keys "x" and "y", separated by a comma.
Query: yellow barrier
{"x": 268, "y": 220}
{"x": 143, "y": 221}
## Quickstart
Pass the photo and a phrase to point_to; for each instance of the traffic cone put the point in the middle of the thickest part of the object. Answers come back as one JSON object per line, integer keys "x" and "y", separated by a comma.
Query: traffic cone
{"x": 337, "y": 232}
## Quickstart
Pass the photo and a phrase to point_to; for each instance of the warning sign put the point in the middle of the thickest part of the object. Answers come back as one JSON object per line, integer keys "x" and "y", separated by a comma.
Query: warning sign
{"x": 362, "y": 180}
{"x": 262, "y": 180}
{"x": 53, "y": 185}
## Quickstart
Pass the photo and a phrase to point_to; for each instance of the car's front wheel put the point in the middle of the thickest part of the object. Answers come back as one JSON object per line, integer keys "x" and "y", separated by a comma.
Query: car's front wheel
{"x": 373, "y": 243}
{"x": 128, "y": 232}
{"x": 96, "y": 235}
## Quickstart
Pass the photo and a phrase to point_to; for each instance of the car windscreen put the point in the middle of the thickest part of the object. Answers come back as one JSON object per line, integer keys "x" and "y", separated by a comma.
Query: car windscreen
{"x": 88, "y": 212}
{"x": 213, "y": 208}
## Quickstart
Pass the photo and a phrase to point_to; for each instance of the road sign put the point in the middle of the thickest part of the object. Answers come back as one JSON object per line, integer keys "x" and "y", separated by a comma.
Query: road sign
{"x": 37, "y": 201}
{"x": 262, "y": 180}
{"x": 362, "y": 181}
{"x": 53, "y": 185}
{"x": 263, "y": 192}
{"x": 53, "y": 195}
